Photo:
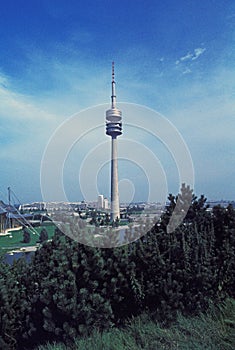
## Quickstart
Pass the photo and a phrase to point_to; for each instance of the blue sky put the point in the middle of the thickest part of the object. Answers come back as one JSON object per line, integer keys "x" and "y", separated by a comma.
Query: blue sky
{"x": 176, "y": 57}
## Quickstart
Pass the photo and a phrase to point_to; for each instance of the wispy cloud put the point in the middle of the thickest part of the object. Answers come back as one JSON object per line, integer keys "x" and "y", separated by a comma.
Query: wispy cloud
{"x": 198, "y": 52}
{"x": 15, "y": 106}
{"x": 187, "y": 57}
{"x": 25, "y": 124}
{"x": 3, "y": 80}
{"x": 187, "y": 71}
{"x": 191, "y": 56}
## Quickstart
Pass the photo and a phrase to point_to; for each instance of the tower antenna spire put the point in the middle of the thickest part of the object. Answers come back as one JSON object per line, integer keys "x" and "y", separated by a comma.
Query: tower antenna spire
{"x": 113, "y": 74}
{"x": 113, "y": 97}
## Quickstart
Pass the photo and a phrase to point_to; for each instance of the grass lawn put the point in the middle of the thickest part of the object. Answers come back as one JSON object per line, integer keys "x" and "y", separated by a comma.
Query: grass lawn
{"x": 211, "y": 331}
{"x": 15, "y": 238}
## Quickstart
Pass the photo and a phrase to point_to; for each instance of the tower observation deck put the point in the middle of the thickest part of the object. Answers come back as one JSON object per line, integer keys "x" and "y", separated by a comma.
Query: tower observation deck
{"x": 114, "y": 129}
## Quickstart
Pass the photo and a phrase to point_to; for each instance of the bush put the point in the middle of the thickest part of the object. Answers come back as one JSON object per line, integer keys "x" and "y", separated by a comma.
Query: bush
{"x": 69, "y": 289}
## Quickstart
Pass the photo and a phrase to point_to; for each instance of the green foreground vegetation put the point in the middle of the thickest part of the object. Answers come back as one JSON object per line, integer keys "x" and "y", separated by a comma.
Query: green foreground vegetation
{"x": 69, "y": 290}
{"x": 214, "y": 330}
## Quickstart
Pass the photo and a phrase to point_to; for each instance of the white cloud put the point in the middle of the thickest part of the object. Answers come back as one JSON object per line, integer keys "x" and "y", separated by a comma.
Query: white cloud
{"x": 187, "y": 71}
{"x": 25, "y": 125}
{"x": 198, "y": 52}
{"x": 3, "y": 80}
{"x": 20, "y": 107}
{"x": 191, "y": 56}
{"x": 186, "y": 57}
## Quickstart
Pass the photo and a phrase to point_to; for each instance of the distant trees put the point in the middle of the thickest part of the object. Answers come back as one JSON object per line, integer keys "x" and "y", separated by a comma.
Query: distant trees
{"x": 116, "y": 222}
{"x": 43, "y": 235}
{"x": 107, "y": 219}
{"x": 26, "y": 236}
{"x": 93, "y": 218}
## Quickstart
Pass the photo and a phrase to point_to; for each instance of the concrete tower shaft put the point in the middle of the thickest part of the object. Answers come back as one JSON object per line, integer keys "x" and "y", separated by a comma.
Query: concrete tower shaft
{"x": 114, "y": 129}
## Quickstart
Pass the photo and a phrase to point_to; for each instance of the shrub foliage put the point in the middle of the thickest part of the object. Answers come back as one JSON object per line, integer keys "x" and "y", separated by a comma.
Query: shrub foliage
{"x": 69, "y": 289}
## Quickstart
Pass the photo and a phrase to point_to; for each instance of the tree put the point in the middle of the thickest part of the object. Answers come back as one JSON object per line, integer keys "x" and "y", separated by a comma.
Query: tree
{"x": 107, "y": 221}
{"x": 43, "y": 236}
{"x": 224, "y": 227}
{"x": 185, "y": 208}
{"x": 93, "y": 218}
{"x": 26, "y": 236}
{"x": 117, "y": 222}
{"x": 14, "y": 303}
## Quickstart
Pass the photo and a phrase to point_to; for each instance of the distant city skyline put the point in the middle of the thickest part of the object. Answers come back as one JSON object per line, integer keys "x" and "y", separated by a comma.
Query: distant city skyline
{"x": 174, "y": 57}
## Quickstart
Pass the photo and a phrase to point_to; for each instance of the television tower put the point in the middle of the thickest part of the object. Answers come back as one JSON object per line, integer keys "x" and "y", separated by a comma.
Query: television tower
{"x": 114, "y": 129}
